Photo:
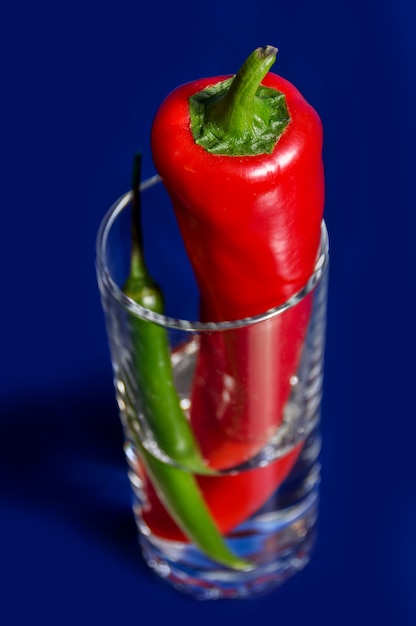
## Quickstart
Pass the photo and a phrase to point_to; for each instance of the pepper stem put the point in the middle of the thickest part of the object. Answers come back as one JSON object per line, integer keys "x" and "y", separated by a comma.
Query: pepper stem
{"x": 236, "y": 110}
{"x": 138, "y": 268}
{"x": 239, "y": 116}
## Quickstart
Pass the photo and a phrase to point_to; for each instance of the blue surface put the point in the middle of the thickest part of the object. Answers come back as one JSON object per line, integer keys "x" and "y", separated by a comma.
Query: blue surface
{"x": 80, "y": 85}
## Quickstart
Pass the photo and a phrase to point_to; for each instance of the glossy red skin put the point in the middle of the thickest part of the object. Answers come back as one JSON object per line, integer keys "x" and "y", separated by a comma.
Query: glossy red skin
{"x": 242, "y": 384}
{"x": 251, "y": 227}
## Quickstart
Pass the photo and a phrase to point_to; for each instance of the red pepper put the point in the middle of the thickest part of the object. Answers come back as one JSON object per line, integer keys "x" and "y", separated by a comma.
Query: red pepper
{"x": 251, "y": 226}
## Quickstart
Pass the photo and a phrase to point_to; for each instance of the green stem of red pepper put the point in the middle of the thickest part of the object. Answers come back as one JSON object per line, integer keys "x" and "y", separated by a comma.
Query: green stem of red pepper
{"x": 238, "y": 116}
{"x": 176, "y": 486}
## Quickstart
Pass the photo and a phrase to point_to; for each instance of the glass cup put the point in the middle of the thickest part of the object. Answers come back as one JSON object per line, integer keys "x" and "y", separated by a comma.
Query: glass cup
{"x": 221, "y": 420}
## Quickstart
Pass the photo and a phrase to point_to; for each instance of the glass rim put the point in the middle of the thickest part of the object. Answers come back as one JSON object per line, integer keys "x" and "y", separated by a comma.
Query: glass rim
{"x": 107, "y": 283}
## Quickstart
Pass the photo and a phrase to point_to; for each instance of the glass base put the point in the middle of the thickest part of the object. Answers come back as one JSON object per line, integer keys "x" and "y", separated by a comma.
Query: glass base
{"x": 279, "y": 539}
{"x": 285, "y": 540}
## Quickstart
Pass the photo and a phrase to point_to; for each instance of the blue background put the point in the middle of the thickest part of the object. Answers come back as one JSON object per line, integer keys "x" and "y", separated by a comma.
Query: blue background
{"x": 80, "y": 84}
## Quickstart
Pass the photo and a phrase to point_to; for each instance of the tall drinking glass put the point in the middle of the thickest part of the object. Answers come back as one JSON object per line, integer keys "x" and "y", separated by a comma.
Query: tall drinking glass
{"x": 221, "y": 434}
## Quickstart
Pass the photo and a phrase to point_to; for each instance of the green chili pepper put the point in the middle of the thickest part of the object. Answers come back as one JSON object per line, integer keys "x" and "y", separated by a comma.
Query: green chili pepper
{"x": 180, "y": 494}
{"x": 160, "y": 402}
{"x": 177, "y": 488}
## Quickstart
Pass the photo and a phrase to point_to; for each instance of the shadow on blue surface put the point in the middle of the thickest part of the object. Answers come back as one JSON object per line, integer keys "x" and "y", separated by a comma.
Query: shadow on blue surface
{"x": 62, "y": 456}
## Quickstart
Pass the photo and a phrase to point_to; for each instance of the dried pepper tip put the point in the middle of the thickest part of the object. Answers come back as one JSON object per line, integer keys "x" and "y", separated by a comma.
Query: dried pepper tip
{"x": 239, "y": 116}
{"x": 267, "y": 51}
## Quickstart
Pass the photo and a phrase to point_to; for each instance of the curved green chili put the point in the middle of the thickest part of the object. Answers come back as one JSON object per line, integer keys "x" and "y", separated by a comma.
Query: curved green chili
{"x": 160, "y": 402}
{"x": 177, "y": 488}
{"x": 180, "y": 494}
{"x": 152, "y": 361}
